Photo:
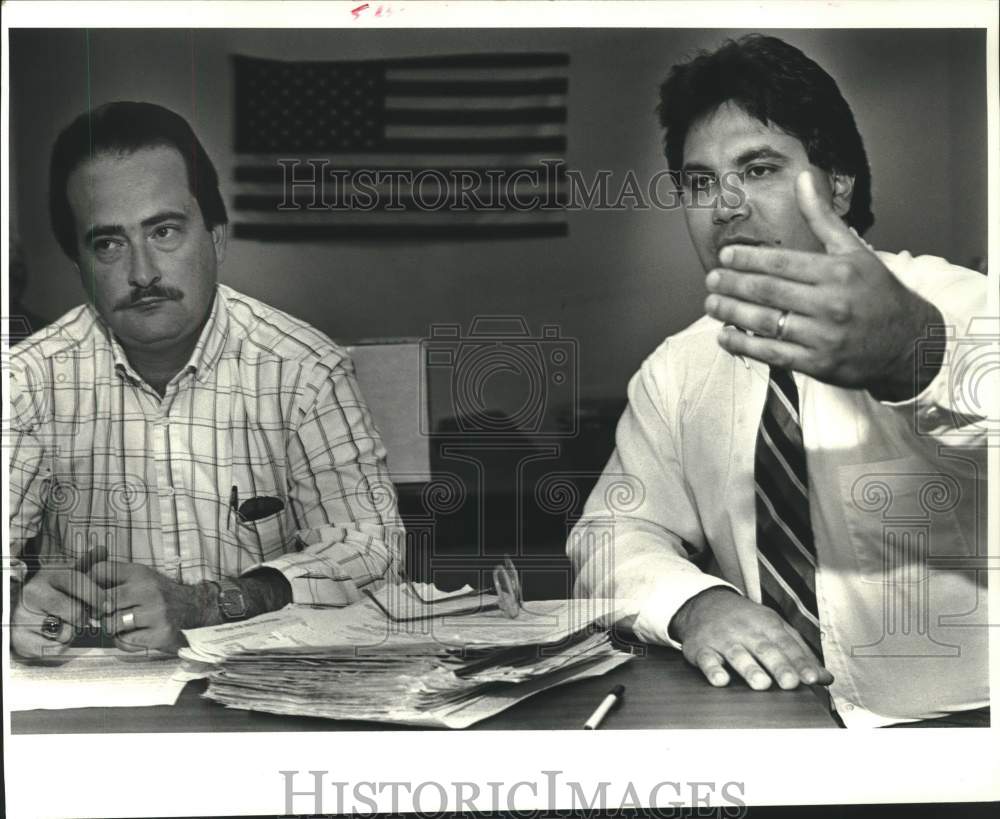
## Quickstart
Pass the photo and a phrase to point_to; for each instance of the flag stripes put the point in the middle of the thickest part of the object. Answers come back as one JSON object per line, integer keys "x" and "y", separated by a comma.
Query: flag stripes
{"x": 315, "y": 233}
{"x": 399, "y": 115}
{"x": 273, "y": 174}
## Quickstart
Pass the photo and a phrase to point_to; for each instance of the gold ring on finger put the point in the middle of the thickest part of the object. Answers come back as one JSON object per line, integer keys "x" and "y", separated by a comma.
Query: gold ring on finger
{"x": 779, "y": 332}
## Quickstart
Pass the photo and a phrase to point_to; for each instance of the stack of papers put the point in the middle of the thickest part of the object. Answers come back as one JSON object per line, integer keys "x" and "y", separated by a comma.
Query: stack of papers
{"x": 394, "y": 659}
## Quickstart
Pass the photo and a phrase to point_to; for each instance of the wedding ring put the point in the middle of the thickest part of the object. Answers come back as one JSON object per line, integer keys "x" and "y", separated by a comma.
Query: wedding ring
{"x": 128, "y": 620}
{"x": 51, "y": 627}
{"x": 779, "y": 333}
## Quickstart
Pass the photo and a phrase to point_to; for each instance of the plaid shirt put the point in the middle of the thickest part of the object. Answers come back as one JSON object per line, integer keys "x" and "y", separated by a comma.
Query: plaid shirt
{"x": 266, "y": 405}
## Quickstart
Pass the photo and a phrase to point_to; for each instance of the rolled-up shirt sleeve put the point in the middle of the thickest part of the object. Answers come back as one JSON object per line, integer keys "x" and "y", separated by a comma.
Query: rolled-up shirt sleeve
{"x": 350, "y": 534}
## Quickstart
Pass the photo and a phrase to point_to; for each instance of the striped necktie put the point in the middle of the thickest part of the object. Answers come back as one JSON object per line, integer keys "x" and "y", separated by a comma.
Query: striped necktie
{"x": 785, "y": 548}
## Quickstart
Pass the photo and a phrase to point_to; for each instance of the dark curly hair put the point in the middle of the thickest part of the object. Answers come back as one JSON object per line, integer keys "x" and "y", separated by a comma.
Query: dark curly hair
{"x": 777, "y": 84}
{"x": 123, "y": 128}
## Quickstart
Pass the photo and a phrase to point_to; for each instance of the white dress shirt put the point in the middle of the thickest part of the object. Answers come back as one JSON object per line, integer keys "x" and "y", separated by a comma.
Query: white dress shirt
{"x": 897, "y": 501}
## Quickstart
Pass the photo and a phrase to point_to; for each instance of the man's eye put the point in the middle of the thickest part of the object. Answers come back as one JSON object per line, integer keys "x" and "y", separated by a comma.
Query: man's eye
{"x": 167, "y": 237}
{"x": 759, "y": 171}
{"x": 106, "y": 249}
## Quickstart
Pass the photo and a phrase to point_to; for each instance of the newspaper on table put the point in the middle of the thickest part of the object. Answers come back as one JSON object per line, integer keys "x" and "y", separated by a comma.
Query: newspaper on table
{"x": 412, "y": 655}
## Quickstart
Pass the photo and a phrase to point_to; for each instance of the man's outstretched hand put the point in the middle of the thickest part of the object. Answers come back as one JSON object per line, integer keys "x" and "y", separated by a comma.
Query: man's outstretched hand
{"x": 720, "y": 628}
{"x": 850, "y": 323}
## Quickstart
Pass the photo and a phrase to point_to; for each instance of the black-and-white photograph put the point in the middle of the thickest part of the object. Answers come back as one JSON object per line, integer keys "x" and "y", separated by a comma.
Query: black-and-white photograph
{"x": 412, "y": 375}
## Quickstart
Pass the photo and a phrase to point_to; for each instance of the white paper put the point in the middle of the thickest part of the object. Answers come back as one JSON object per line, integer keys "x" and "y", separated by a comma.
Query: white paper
{"x": 363, "y": 627}
{"x": 95, "y": 678}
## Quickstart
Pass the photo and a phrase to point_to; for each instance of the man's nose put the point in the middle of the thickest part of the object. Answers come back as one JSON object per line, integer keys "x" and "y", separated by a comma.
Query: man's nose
{"x": 730, "y": 205}
{"x": 142, "y": 268}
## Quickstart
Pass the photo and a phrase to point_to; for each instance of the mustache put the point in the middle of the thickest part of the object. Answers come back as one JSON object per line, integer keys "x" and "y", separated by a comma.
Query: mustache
{"x": 154, "y": 291}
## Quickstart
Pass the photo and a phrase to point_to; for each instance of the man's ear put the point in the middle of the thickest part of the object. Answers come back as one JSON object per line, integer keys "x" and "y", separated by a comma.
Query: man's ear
{"x": 842, "y": 187}
{"x": 220, "y": 235}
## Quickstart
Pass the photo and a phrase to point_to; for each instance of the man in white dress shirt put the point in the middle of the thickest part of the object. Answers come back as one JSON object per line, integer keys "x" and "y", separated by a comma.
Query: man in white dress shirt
{"x": 874, "y": 567}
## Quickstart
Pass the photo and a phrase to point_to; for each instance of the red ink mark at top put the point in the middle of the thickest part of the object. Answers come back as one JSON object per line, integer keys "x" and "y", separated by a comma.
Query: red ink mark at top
{"x": 356, "y": 12}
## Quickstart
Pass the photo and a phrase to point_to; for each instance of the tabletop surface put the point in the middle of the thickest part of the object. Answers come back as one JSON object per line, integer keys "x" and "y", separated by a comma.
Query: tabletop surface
{"x": 661, "y": 691}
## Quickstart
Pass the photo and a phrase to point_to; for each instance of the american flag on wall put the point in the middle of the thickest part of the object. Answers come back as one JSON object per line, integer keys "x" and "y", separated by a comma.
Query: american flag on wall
{"x": 401, "y": 149}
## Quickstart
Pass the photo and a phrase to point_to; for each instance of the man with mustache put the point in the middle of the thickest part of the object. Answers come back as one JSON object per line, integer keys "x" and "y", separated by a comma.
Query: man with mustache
{"x": 182, "y": 454}
{"x": 799, "y": 454}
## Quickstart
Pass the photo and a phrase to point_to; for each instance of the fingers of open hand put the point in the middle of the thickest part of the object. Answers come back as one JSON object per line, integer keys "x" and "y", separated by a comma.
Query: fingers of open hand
{"x": 710, "y": 663}
{"x": 764, "y": 321}
{"x": 785, "y": 355}
{"x": 766, "y": 291}
{"x": 788, "y": 264}
{"x": 811, "y": 670}
{"x": 778, "y": 658}
{"x": 755, "y": 642}
{"x": 744, "y": 664}
{"x": 830, "y": 303}
{"x": 782, "y": 651}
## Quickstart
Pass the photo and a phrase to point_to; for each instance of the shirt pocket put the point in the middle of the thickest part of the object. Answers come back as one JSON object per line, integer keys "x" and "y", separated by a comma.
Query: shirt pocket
{"x": 267, "y": 536}
{"x": 898, "y": 514}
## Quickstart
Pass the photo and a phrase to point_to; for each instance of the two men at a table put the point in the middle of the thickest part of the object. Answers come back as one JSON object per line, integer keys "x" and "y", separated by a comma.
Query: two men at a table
{"x": 756, "y": 435}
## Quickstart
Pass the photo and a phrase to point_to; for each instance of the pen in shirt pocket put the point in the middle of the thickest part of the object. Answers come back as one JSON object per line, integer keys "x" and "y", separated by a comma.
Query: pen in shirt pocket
{"x": 252, "y": 509}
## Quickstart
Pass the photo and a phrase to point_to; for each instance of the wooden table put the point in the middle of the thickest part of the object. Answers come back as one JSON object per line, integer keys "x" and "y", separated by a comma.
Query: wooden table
{"x": 662, "y": 691}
